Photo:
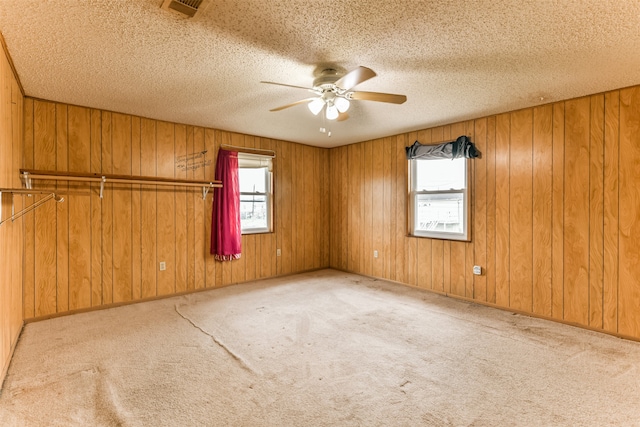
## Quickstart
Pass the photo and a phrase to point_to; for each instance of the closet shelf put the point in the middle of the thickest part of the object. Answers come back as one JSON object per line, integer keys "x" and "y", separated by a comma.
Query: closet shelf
{"x": 29, "y": 174}
{"x": 15, "y": 215}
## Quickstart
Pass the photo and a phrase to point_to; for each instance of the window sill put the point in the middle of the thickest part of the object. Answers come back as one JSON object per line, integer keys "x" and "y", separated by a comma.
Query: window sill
{"x": 443, "y": 238}
{"x": 250, "y": 232}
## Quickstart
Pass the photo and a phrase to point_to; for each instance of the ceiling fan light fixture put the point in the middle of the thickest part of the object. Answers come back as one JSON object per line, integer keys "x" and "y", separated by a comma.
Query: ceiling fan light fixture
{"x": 342, "y": 104}
{"x": 316, "y": 105}
{"x": 332, "y": 111}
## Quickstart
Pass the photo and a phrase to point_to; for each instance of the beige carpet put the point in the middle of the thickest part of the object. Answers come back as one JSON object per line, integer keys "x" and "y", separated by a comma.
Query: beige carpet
{"x": 319, "y": 349}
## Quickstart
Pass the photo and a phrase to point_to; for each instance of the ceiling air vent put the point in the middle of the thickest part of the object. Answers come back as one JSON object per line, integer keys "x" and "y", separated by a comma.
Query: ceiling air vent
{"x": 186, "y": 7}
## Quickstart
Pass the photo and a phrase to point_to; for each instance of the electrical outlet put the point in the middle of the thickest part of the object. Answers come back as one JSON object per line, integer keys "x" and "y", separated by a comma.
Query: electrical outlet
{"x": 375, "y": 254}
{"x": 278, "y": 252}
{"x": 163, "y": 266}
{"x": 477, "y": 270}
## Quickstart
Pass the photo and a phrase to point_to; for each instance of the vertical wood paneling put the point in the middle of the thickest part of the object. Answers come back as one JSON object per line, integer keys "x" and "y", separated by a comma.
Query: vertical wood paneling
{"x": 629, "y": 226}
{"x": 44, "y": 130}
{"x": 400, "y": 211}
{"x": 393, "y": 249}
{"x": 355, "y": 168}
{"x": 377, "y": 208}
{"x": 28, "y": 268}
{"x": 307, "y": 225}
{"x": 446, "y": 263}
{"x": 314, "y": 186}
{"x": 79, "y": 250}
{"x": 107, "y": 211}
{"x": 520, "y": 211}
{"x": 166, "y": 211}
{"x": 557, "y": 222}
{"x": 324, "y": 202}
{"x": 469, "y": 130}
{"x": 490, "y": 155}
{"x": 148, "y": 221}
{"x": 62, "y": 212}
{"x": 17, "y": 245}
{"x": 503, "y": 131}
{"x": 334, "y": 206}
{"x": 456, "y": 262}
{"x": 479, "y": 217}
{"x": 367, "y": 193}
{"x": 388, "y": 208}
{"x": 6, "y": 157}
{"x": 136, "y": 212}
{"x": 180, "y": 194}
{"x": 596, "y": 212}
{"x": 576, "y": 211}
{"x": 337, "y": 231}
{"x": 122, "y": 238}
{"x": 199, "y": 207}
{"x": 12, "y": 233}
{"x": 542, "y": 202}
{"x": 437, "y": 265}
{"x": 190, "y": 210}
{"x": 297, "y": 203}
{"x": 96, "y": 210}
{"x": 210, "y": 264}
{"x": 611, "y": 206}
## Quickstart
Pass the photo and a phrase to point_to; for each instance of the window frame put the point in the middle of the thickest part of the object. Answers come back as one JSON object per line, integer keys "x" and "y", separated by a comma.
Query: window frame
{"x": 465, "y": 236}
{"x": 268, "y": 194}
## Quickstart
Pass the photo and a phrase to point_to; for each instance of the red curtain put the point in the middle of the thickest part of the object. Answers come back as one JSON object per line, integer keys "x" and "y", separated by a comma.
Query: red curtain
{"x": 226, "y": 232}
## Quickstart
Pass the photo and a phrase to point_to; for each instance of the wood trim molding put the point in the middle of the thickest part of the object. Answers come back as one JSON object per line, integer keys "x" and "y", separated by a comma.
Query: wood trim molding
{"x": 5, "y": 368}
{"x": 13, "y": 67}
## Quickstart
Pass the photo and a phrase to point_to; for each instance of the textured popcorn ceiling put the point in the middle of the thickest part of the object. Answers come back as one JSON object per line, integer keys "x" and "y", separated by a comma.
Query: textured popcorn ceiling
{"x": 453, "y": 59}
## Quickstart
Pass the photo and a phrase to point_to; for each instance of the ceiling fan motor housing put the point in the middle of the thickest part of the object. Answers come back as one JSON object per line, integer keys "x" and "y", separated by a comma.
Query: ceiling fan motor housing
{"x": 327, "y": 79}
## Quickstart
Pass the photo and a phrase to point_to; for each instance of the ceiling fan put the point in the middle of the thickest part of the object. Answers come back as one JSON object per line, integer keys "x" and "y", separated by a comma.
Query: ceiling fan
{"x": 334, "y": 93}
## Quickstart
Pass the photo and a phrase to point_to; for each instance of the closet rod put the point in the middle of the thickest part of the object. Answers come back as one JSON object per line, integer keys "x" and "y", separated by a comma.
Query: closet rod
{"x": 249, "y": 150}
{"x": 28, "y": 174}
{"x": 15, "y": 215}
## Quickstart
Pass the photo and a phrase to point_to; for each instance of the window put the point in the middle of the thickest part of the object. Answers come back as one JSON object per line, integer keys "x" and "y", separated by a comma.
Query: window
{"x": 256, "y": 193}
{"x": 439, "y": 206}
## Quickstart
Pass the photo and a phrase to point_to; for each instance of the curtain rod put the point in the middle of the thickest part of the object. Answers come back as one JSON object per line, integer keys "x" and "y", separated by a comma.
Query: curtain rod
{"x": 260, "y": 151}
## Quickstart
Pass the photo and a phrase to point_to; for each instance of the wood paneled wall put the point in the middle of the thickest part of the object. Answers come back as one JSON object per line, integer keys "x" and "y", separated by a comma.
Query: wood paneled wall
{"x": 11, "y": 320}
{"x": 88, "y": 252}
{"x": 555, "y": 213}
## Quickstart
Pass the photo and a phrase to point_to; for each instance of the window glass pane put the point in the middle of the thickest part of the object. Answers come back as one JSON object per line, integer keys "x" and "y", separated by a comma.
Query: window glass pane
{"x": 442, "y": 213}
{"x": 252, "y": 180}
{"x": 253, "y": 211}
{"x": 433, "y": 175}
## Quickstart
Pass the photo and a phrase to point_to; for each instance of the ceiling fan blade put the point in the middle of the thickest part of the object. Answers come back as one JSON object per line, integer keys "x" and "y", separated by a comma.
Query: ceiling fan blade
{"x": 355, "y": 77}
{"x": 380, "y": 97}
{"x": 296, "y": 87}
{"x": 342, "y": 117}
{"x": 302, "y": 101}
